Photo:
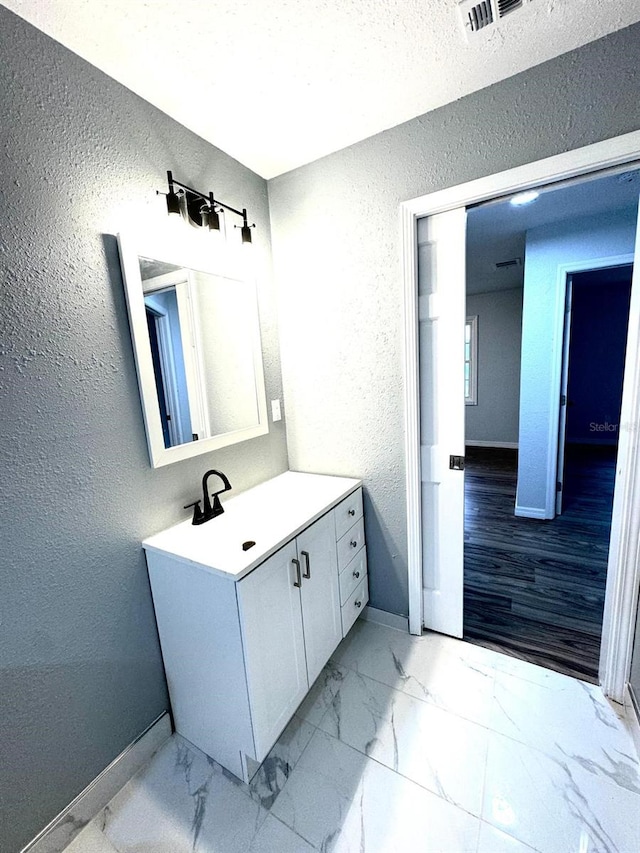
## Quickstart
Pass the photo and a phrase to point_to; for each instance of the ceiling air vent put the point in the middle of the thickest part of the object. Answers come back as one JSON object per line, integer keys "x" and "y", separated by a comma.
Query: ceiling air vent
{"x": 514, "y": 262}
{"x": 506, "y": 6}
{"x": 477, "y": 15}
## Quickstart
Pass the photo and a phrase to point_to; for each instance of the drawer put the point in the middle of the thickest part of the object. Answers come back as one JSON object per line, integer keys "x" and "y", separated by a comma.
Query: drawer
{"x": 350, "y": 544}
{"x": 353, "y": 574}
{"x": 348, "y": 511}
{"x": 354, "y": 605}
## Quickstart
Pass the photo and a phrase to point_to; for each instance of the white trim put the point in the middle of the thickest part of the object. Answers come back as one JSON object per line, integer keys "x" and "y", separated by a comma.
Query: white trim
{"x": 622, "y": 578}
{"x": 563, "y": 408}
{"x": 555, "y": 388}
{"x": 72, "y": 819}
{"x": 506, "y": 445}
{"x": 193, "y": 357}
{"x": 532, "y": 512}
{"x": 571, "y": 164}
{"x": 382, "y": 617}
{"x": 623, "y": 570}
{"x": 472, "y": 399}
{"x": 412, "y": 418}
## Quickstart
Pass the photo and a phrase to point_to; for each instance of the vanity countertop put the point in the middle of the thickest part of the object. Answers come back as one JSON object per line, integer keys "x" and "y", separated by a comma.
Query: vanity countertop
{"x": 270, "y": 514}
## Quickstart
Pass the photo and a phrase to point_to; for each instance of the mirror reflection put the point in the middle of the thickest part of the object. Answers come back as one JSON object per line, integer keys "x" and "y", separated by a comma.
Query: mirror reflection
{"x": 202, "y": 349}
{"x": 195, "y": 328}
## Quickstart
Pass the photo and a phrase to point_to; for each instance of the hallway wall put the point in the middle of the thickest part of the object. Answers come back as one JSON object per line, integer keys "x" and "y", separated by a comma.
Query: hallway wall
{"x": 495, "y": 418}
{"x": 548, "y": 247}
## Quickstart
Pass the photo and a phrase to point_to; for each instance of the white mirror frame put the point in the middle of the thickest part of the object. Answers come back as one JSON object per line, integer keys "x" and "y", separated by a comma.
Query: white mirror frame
{"x": 202, "y": 257}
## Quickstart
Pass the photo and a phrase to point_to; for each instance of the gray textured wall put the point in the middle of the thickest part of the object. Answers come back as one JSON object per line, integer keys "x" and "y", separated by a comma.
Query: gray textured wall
{"x": 495, "y": 418}
{"x": 336, "y": 240}
{"x": 81, "y": 674}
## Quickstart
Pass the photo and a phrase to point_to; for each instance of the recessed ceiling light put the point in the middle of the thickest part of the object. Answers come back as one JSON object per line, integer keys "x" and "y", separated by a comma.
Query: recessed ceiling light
{"x": 524, "y": 198}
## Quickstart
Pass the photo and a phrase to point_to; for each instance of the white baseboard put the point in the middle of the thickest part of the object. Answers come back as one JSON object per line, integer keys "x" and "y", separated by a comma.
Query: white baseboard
{"x": 507, "y": 445}
{"x": 391, "y": 620}
{"x": 62, "y": 830}
{"x": 530, "y": 512}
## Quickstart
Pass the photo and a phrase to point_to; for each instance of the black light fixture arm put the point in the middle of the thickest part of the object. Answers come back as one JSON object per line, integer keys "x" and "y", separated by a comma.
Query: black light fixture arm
{"x": 173, "y": 183}
{"x": 211, "y": 202}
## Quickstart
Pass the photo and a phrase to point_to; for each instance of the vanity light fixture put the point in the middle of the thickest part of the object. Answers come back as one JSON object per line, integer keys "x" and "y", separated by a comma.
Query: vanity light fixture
{"x": 173, "y": 200}
{"x": 245, "y": 228}
{"x": 200, "y": 210}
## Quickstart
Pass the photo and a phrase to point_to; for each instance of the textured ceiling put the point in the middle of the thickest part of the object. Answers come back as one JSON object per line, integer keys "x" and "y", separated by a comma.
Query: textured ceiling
{"x": 496, "y": 232}
{"x": 279, "y": 83}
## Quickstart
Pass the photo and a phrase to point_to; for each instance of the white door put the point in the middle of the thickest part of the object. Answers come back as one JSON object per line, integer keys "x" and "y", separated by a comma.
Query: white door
{"x": 271, "y": 619}
{"x": 441, "y": 313}
{"x": 564, "y": 386}
{"x": 320, "y": 593}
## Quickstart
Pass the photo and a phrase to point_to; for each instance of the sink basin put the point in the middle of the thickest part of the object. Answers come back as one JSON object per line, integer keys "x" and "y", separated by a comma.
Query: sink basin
{"x": 265, "y": 515}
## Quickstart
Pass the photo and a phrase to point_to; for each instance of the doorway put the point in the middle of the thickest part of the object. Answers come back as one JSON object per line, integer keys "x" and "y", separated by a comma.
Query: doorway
{"x": 623, "y": 571}
{"x": 165, "y": 337}
{"x": 154, "y": 326}
{"x": 597, "y": 312}
{"x": 534, "y": 584}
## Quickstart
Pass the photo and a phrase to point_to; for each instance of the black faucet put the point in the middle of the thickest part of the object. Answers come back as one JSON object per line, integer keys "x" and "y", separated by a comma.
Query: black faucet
{"x": 209, "y": 510}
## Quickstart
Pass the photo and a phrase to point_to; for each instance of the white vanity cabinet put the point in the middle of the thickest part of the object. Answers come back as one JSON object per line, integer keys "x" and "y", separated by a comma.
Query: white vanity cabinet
{"x": 352, "y": 559}
{"x": 245, "y": 633}
{"x": 291, "y": 623}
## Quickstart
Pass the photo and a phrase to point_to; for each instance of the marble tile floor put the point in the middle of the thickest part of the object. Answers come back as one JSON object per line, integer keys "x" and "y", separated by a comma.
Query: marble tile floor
{"x": 404, "y": 744}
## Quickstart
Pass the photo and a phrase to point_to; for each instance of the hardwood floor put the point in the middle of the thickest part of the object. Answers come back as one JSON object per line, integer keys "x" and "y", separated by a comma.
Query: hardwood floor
{"x": 535, "y": 589}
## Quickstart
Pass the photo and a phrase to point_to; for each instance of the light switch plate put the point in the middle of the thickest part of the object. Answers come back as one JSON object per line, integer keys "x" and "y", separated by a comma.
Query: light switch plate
{"x": 276, "y": 413}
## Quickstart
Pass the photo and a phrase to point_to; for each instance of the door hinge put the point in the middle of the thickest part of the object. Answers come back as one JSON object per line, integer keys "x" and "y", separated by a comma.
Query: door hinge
{"x": 558, "y": 486}
{"x": 456, "y": 463}
{"x": 563, "y": 399}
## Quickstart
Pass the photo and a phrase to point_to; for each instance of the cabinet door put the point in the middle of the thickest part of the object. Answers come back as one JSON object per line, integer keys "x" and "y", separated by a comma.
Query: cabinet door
{"x": 273, "y": 640}
{"x": 320, "y": 593}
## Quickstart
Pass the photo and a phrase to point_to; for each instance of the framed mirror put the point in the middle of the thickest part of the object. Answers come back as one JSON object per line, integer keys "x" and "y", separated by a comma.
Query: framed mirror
{"x": 196, "y": 341}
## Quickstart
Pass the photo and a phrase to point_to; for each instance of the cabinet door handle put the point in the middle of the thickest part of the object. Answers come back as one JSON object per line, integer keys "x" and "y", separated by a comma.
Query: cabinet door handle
{"x": 306, "y": 574}
{"x": 296, "y": 563}
{"x": 353, "y": 543}
{"x": 358, "y": 603}
{"x": 352, "y": 512}
{"x": 356, "y": 574}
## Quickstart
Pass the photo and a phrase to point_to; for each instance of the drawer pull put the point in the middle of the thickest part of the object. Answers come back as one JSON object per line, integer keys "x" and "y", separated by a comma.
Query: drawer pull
{"x": 352, "y": 512}
{"x": 358, "y": 603}
{"x": 297, "y": 582}
{"x": 353, "y": 543}
{"x": 306, "y": 574}
{"x": 356, "y": 574}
